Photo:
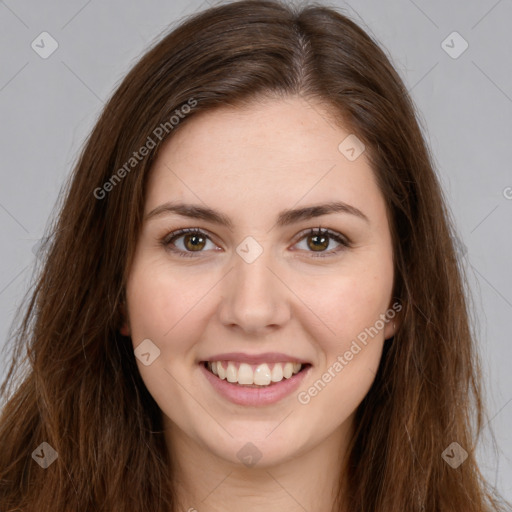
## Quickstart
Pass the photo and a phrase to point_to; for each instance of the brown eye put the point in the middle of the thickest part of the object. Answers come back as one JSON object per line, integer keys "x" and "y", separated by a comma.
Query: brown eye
{"x": 319, "y": 242}
{"x": 185, "y": 242}
{"x": 194, "y": 241}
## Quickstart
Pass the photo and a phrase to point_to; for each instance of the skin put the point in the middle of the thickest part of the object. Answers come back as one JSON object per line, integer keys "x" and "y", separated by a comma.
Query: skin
{"x": 250, "y": 164}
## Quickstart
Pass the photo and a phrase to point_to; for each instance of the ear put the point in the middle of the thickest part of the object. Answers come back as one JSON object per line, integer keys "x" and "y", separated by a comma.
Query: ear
{"x": 394, "y": 314}
{"x": 125, "y": 326}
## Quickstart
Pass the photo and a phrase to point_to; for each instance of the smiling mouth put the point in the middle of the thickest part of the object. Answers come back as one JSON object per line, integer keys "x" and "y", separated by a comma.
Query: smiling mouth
{"x": 252, "y": 375}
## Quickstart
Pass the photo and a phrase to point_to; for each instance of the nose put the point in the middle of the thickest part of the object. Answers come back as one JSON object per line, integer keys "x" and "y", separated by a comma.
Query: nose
{"x": 255, "y": 299}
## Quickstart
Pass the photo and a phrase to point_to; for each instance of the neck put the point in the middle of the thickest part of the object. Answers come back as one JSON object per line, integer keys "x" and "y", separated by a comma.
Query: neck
{"x": 205, "y": 482}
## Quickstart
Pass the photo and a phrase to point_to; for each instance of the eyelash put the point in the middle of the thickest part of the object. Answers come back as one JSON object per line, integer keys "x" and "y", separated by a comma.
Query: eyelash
{"x": 167, "y": 241}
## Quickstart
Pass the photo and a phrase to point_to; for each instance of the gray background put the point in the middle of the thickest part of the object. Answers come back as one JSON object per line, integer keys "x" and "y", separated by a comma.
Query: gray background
{"x": 48, "y": 106}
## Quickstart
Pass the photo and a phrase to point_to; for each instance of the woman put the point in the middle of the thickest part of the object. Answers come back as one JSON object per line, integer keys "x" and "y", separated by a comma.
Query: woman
{"x": 251, "y": 297}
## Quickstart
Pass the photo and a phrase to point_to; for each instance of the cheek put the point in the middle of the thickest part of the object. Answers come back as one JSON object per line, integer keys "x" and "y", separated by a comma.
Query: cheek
{"x": 165, "y": 307}
{"x": 349, "y": 303}
{"x": 161, "y": 301}
{"x": 351, "y": 349}
{"x": 171, "y": 308}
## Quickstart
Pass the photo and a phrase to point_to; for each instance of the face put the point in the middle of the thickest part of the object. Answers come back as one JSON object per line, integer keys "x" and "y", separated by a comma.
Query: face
{"x": 265, "y": 289}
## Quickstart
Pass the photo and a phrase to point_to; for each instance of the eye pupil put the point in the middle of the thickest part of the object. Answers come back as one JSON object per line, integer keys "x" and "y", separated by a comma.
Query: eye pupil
{"x": 324, "y": 241}
{"x": 195, "y": 244}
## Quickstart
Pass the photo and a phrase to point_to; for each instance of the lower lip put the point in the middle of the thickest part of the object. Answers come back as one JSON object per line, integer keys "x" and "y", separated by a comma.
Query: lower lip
{"x": 265, "y": 395}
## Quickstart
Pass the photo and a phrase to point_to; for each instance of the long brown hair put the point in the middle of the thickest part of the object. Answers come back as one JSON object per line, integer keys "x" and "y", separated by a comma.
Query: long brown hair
{"x": 81, "y": 391}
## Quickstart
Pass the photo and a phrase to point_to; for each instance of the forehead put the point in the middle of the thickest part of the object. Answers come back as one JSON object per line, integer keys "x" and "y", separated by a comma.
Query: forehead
{"x": 270, "y": 154}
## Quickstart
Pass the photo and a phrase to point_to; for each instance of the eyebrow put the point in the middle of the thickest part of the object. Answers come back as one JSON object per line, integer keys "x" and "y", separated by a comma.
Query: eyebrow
{"x": 285, "y": 217}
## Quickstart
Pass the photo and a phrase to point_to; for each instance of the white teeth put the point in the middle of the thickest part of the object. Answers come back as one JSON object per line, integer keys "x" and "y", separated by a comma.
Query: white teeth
{"x": 277, "y": 373}
{"x": 220, "y": 371}
{"x": 231, "y": 373}
{"x": 260, "y": 376}
{"x": 245, "y": 374}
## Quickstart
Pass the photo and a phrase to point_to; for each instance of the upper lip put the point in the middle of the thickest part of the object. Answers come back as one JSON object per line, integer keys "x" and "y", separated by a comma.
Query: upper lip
{"x": 267, "y": 357}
